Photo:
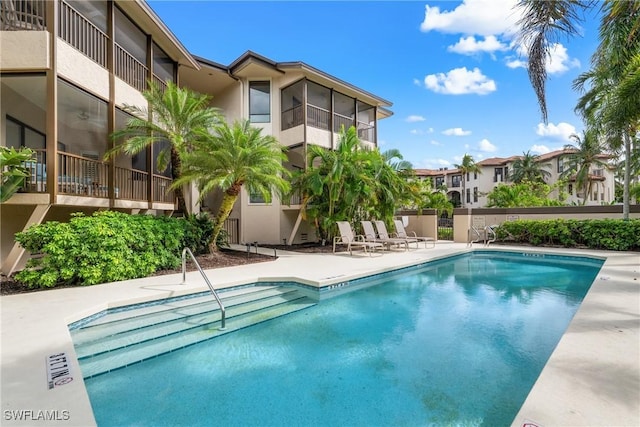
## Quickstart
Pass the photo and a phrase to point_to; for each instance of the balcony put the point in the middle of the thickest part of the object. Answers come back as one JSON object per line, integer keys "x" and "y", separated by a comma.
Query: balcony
{"x": 85, "y": 177}
{"x": 82, "y": 34}
{"x": 320, "y": 118}
{"x": 22, "y": 15}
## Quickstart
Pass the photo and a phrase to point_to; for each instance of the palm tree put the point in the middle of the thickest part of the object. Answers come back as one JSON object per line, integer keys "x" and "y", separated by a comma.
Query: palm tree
{"x": 586, "y": 154}
{"x": 175, "y": 115}
{"x": 229, "y": 158}
{"x": 529, "y": 168}
{"x": 468, "y": 165}
{"x": 542, "y": 23}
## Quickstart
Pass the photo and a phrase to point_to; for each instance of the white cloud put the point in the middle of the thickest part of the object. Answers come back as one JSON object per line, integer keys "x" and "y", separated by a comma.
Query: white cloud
{"x": 540, "y": 149}
{"x": 434, "y": 142}
{"x": 469, "y": 45}
{"x": 460, "y": 81}
{"x": 560, "y": 132}
{"x": 417, "y": 82}
{"x": 416, "y": 132}
{"x": 414, "y": 118}
{"x": 430, "y": 130}
{"x": 483, "y": 17}
{"x": 486, "y": 146}
{"x": 557, "y": 62}
{"x": 456, "y": 132}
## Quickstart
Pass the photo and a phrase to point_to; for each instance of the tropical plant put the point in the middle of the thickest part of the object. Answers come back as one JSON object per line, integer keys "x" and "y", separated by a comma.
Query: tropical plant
{"x": 174, "y": 115}
{"x": 352, "y": 183}
{"x": 583, "y": 157}
{"x": 230, "y": 157}
{"x": 528, "y": 168}
{"x": 467, "y": 166}
{"x": 14, "y": 170}
{"x": 521, "y": 195}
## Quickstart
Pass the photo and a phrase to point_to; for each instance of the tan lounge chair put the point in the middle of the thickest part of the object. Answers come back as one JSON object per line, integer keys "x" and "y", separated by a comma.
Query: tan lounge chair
{"x": 401, "y": 232}
{"x": 348, "y": 237}
{"x": 381, "y": 236}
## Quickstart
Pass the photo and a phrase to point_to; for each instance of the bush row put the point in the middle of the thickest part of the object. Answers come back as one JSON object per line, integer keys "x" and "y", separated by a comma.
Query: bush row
{"x": 108, "y": 246}
{"x": 608, "y": 234}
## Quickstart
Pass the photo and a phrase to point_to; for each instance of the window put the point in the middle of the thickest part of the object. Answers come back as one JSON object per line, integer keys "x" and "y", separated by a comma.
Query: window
{"x": 468, "y": 195}
{"x": 475, "y": 175}
{"x": 20, "y": 135}
{"x": 475, "y": 194}
{"x": 570, "y": 188}
{"x": 497, "y": 175}
{"x": 439, "y": 181}
{"x": 560, "y": 165}
{"x": 258, "y": 198}
{"x": 260, "y": 102}
{"x": 468, "y": 176}
{"x": 455, "y": 180}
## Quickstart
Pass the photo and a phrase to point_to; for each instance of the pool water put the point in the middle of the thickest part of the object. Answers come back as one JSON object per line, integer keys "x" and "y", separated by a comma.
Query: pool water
{"x": 454, "y": 342}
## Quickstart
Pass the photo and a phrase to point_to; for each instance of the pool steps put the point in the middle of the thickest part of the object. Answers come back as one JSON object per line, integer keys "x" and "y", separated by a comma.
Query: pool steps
{"x": 122, "y": 338}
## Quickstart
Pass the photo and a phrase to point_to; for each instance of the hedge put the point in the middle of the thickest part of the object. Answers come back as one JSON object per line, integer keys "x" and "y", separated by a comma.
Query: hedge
{"x": 107, "y": 246}
{"x": 608, "y": 234}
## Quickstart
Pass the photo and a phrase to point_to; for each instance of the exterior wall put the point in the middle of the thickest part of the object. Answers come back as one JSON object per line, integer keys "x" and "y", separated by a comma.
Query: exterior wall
{"x": 424, "y": 224}
{"x": 292, "y": 136}
{"x": 260, "y": 222}
{"x": 12, "y": 50}
{"x": 76, "y": 67}
{"x": 230, "y": 102}
{"x": 126, "y": 95}
{"x": 320, "y": 137}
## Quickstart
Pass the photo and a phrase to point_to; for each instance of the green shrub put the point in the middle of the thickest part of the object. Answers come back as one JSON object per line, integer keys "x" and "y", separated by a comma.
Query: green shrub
{"x": 608, "y": 234}
{"x": 105, "y": 247}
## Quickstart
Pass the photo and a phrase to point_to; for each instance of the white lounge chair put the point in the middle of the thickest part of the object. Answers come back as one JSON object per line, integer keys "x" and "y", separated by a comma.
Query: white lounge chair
{"x": 401, "y": 232}
{"x": 349, "y": 238}
{"x": 381, "y": 236}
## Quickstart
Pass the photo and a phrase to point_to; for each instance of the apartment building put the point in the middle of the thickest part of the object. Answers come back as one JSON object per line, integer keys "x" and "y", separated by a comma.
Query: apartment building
{"x": 69, "y": 67}
{"x": 470, "y": 190}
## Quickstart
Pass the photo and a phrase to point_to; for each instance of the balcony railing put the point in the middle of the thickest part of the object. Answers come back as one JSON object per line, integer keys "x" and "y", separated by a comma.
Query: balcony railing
{"x": 292, "y": 117}
{"x": 130, "y": 69}
{"x": 339, "y": 121}
{"x": 318, "y": 117}
{"x": 82, "y": 176}
{"x": 22, "y": 15}
{"x": 366, "y": 132}
{"x": 161, "y": 192}
{"x": 80, "y": 33}
{"x": 131, "y": 184}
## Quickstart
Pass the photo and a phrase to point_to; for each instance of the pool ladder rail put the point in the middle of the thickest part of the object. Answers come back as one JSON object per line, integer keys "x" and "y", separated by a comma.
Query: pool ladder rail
{"x": 489, "y": 230}
{"x": 223, "y": 313}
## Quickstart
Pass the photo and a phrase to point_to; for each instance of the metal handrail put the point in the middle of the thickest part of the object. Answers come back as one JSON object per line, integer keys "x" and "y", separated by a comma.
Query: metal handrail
{"x": 477, "y": 239}
{"x": 213, "y": 291}
{"x": 489, "y": 229}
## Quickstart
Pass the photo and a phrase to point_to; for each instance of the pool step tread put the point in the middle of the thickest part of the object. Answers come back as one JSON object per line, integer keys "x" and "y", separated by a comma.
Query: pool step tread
{"x": 155, "y": 330}
{"x": 170, "y": 311}
{"x": 135, "y": 353}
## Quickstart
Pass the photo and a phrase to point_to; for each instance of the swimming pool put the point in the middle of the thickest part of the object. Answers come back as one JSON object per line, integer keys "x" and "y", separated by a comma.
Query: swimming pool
{"x": 459, "y": 341}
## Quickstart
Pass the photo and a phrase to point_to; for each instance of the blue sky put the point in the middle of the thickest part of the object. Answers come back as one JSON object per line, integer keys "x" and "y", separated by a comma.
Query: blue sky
{"x": 451, "y": 69}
